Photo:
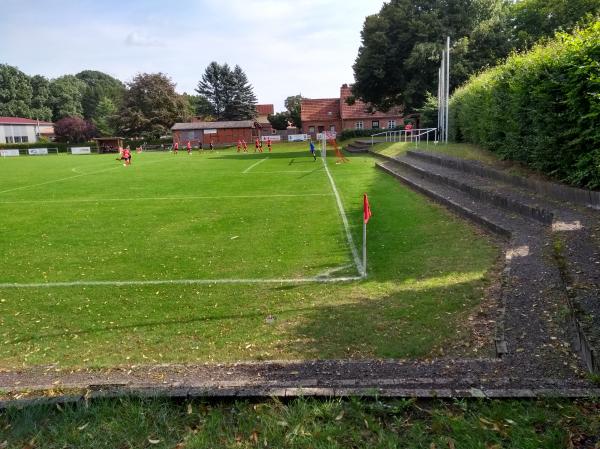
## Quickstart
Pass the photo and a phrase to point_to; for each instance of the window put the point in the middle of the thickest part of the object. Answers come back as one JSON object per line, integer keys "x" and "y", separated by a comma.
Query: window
{"x": 375, "y": 124}
{"x": 17, "y": 139}
{"x": 359, "y": 125}
{"x": 311, "y": 129}
{"x": 332, "y": 128}
{"x": 24, "y": 139}
{"x": 391, "y": 124}
{"x": 9, "y": 139}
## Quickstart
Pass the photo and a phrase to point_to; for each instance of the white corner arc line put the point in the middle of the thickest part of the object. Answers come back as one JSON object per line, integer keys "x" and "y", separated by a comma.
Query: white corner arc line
{"x": 255, "y": 164}
{"x": 338, "y": 200}
{"x": 307, "y": 280}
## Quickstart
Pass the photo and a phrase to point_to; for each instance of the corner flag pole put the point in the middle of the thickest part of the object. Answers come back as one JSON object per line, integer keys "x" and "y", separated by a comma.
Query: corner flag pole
{"x": 366, "y": 215}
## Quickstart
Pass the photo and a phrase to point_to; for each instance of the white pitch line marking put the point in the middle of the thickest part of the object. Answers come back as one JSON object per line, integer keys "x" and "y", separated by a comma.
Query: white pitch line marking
{"x": 357, "y": 261}
{"x": 167, "y": 198}
{"x": 255, "y": 164}
{"x": 308, "y": 280}
{"x": 282, "y": 171}
{"x": 71, "y": 177}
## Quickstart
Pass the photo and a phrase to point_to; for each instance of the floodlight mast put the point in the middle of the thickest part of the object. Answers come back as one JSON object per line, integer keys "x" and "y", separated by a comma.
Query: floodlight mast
{"x": 447, "y": 85}
{"x": 444, "y": 93}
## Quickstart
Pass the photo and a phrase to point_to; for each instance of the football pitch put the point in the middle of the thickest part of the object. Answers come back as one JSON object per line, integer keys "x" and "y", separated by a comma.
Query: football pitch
{"x": 225, "y": 256}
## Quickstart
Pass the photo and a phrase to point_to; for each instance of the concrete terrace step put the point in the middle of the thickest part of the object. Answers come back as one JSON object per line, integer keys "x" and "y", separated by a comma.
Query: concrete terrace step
{"x": 548, "y": 190}
{"x": 483, "y": 201}
{"x": 359, "y": 146}
{"x": 448, "y": 378}
{"x": 494, "y": 192}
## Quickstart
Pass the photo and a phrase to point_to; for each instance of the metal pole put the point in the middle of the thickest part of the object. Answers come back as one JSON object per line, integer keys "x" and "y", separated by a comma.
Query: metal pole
{"x": 447, "y": 85}
{"x": 442, "y": 96}
{"x": 364, "y": 248}
{"x": 439, "y": 99}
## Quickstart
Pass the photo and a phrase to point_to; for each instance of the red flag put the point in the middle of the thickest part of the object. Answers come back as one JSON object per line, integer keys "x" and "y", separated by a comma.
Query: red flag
{"x": 366, "y": 209}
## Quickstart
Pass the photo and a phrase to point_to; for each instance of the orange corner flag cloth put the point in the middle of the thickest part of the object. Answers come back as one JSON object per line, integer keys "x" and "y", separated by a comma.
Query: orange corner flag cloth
{"x": 366, "y": 209}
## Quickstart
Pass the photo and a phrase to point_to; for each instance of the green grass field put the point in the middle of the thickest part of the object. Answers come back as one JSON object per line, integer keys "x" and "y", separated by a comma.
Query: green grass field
{"x": 184, "y": 228}
{"x": 305, "y": 423}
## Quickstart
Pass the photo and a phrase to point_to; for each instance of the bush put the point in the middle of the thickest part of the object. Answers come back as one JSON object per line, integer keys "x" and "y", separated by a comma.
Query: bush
{"x": 541, "y": 108}
{"x": 74, "y": 129}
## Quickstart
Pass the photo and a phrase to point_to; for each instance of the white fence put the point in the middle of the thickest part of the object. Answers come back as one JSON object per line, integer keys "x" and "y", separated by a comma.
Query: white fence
{"x": 415, "y": 136}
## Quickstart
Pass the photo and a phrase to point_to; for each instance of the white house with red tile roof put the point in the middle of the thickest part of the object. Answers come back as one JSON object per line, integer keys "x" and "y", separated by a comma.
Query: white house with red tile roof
{"x": 24, "y": 130}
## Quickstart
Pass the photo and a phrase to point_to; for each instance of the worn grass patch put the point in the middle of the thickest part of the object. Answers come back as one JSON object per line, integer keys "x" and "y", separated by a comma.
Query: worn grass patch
{"x": 304, "y": 423}
{"x": 220, "y": 216}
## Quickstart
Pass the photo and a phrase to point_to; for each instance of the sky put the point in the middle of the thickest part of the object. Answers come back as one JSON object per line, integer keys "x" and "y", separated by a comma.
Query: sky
{"x": 285, "y": 47}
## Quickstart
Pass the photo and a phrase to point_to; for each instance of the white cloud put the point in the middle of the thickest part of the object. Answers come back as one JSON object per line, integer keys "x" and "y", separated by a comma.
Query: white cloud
{"x": 284, "y": 46}
{"x": 136, "y": 39}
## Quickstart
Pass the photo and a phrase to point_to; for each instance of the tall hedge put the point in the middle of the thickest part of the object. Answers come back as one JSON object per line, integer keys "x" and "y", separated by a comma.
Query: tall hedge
{"x": 541, "y": 108}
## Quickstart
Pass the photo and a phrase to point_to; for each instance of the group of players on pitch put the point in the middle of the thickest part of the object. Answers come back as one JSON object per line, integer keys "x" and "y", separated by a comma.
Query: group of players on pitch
{"x": 125, "y": 153}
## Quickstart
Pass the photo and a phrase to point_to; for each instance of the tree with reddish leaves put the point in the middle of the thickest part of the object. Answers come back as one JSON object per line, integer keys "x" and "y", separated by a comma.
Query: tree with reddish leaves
{"x": 74, "y": 130}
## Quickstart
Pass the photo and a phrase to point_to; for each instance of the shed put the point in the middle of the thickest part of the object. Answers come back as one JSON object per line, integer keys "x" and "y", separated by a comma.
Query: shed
{"x": 109, "y": 144}
{"x": 220, "y": 133}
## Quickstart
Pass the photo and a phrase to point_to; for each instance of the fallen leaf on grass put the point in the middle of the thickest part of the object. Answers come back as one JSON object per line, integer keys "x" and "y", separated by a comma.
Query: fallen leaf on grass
{"x": 83, "y": 427}
{"x": 451, "y": 444}
{"x": 189, "y": 408}
{"x": 340, "y": 416}
{"x": 151, "y": 441}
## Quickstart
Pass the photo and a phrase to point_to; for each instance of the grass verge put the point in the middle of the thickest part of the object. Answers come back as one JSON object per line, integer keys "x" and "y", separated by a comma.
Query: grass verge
{"x": 305, "y": 423}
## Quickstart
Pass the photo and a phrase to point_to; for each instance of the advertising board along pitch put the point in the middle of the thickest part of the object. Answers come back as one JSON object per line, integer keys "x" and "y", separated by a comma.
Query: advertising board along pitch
{"x": 297, "y": 137}
{"x": 37, "y": 151}
{"x": 9, "y": 153}
{"x": 81, "y": 150}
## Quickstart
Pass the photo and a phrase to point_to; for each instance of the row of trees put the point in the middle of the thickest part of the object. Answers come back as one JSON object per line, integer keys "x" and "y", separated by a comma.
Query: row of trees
{"x": 397, "y": 63}
{"x": 91, "y": 102}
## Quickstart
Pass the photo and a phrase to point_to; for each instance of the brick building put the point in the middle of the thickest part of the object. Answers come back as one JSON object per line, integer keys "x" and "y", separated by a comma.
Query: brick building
{"x": 262, "y": 114}
{"x": 335, "y": 114}
{"x": 221, "y": 133}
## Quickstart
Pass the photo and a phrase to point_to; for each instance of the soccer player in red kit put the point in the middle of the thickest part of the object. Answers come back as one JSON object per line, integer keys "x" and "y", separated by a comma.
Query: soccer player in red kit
{"x": 245, "y": 145}
{"x": 175, "y": 147}
{"x": 189, "y": 147}
{"x": 269, "y": 143}
{"x": 126, "y": 156}
{"x": 239, "y": 146}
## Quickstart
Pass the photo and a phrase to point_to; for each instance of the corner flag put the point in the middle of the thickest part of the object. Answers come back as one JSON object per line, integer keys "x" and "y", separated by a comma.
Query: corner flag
{"x": 366, "y": 209}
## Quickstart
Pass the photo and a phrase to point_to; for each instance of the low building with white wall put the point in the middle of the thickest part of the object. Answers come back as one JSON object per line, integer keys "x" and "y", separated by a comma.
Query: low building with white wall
{"x": 24, "y": 130}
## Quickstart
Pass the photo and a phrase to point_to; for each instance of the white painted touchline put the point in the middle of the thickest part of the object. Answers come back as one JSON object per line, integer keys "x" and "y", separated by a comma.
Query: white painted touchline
{"x": 167, "y": 198}
{"x": 282, "y": 171}
{"x": 357, "y": 261}
{"x": 318, "y": 280}
{"x": 255, "y": 164}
